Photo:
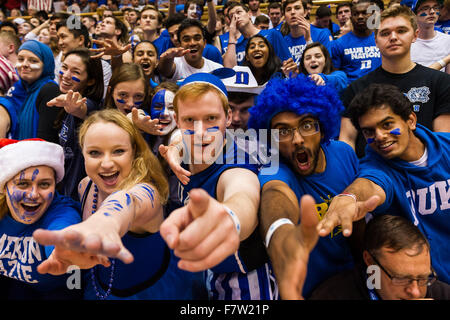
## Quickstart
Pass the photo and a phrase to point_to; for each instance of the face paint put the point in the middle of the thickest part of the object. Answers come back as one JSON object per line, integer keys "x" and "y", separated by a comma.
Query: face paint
{"x": 35, "y": 173}
{"x": 188, "y": 132}
{"x": 120, "y": 100}
{"x": 423, "y": 14}
{"x": 19, "y": 65}
{"x": 396, "y": 131}
{"x": 213, "y": 129}
{"x": 162, "y": 109}
{"x": 76, "y": 79}
{"x": 138, "y": 104}
{"x": 35, "y": 66}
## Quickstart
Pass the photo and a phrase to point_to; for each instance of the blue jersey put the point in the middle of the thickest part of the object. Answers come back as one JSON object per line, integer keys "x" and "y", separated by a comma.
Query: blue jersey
{"x": 421, "y": 194}
{"x": 244, "y": 275}
{"x": 163, "y": 43}
{"x": 20, "y": 254}
{"x": 273, "y": 36}
{"x": 444, "y": 26}
{"x": 297, "y": 45}
{"x": 356, "y": 56}
{"x": 331, "y": 254}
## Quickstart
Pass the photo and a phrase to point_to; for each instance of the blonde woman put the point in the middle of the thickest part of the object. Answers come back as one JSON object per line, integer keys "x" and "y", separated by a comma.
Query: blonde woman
{"x": 122, "y": 201}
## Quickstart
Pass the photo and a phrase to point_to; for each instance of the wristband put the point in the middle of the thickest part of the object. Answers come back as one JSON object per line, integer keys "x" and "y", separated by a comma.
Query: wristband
{"x": 274, "y": 226}
{"x": 442, "y": 63}
{"x": 346, "y": 194}
{"x": 233, "y": 217}
{"x": 231, "y": 42}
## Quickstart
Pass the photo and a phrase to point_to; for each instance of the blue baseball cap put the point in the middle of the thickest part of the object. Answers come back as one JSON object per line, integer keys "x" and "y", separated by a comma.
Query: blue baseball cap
{"x": 414, "y": 4}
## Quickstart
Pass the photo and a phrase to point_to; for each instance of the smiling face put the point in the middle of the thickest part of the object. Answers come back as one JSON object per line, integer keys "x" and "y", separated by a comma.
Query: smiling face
{"x": 73, "y": 74}
{"x": 203, "y": 122}
{"x": 388, "y": 134}
{"x": 162, "y": 109}
{"x": 30, "y": 193}
{"x": 194, "y": 11}
{"x": 257, "y": 53}
{"x": 395, "y": 36}
{"x": 66, "y": 40}
{"x": 314, "y": 60}
{"x": 108, "y": 155}
{"x": 129, "y": 94}
{"x": 29, "y": 66}
{"x": 192, "y": 38}
{"x": 145, "y": 55}
{"x": 302, "y": 153}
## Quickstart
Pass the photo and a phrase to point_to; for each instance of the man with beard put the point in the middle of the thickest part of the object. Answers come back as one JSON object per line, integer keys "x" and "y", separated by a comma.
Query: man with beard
{"x": 179, "y": 63}
{"x": 356, "y": 52}
{"x": 310, "y": 163}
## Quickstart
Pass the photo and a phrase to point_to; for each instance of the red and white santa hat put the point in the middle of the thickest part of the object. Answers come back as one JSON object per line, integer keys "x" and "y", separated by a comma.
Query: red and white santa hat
{"x": 17, "y": 155}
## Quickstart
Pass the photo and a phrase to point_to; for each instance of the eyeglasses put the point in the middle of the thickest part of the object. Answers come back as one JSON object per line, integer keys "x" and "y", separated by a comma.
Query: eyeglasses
{"x": 428, "y": 8}
{"x": 404, "y": 281}
{"x": 306, "y": 128}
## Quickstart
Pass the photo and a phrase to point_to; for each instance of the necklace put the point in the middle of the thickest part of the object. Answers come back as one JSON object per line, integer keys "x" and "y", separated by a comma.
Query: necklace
{"x": 111, "y": 278}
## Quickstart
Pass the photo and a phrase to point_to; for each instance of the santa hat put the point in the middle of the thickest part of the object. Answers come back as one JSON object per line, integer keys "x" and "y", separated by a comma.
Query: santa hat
{"x": 16, "y": 156}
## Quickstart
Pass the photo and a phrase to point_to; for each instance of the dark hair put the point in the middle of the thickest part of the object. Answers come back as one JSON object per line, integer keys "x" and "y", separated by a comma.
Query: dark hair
{"x": 379, "y": 3}
{"x": 42, "y": 14}
{"x": 285, "y": 4}
{"x": 343, "y": 4}
{"x": 274, "y": 5}
{"x": 94, "y": 70}
{"x": 376, "y": 96}
{"x": 78, "y": 31}
{"x": 393, "y": 232}
{"x": 239, "y": 97}
{"x": 187, "y": 23}
{"x": 189, "y": 2}
{"x": 237, "y": 4}
{"x": 9, "y": 24}
{"x": 272, "y": 66}
{"x": 60, "y": 15}
{"x": 261, "y": 19}
{"x": 177, "y": 18}
{"x": 323, "y": 11}
{"x": 123, "y": 28}
{"x": 328, "y": 68}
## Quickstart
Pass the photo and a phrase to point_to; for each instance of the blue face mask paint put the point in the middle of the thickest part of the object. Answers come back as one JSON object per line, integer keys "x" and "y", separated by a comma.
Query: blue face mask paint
{"x": 158, "y": 104}
{"x": 396, "y": 131}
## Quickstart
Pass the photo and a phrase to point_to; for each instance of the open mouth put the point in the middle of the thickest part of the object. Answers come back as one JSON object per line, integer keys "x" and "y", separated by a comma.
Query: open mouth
{"x": 314, "y": 66}
{"x": 303, "y": 160}
{"x": 258, "y": 56}
{"x": 30, "y": 207}
{"x": 146, "y": 65}
{"x": 193, "y": 51}
{"x": 109, "y": 179}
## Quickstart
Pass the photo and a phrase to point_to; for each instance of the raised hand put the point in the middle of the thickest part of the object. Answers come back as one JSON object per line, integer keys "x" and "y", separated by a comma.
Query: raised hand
{"x": 201, "y": 233}
{"x": 145, "y": 122}
{"x": 317, "y": 79}
{"x": 172, "y": 156}
{"x": 72, "y": 102}
{"x": 289, "y": 68}
{"x": 343, "y": 211}
{"x": 173, "y": 53}
{"x": 109, "y": 48}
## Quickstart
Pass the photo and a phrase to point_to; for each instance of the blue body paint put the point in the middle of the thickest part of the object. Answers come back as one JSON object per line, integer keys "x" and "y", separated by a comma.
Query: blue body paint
{"x": 150, "y": 193}
{"x": 35, "y": 173}
{"x": 128, "y": 199}
{"x": 396, "y": 131}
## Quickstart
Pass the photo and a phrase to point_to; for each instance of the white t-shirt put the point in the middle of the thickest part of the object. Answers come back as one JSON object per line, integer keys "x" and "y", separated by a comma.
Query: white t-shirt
{"x": 427, "y": 52}
{"x": 184, "y": 70}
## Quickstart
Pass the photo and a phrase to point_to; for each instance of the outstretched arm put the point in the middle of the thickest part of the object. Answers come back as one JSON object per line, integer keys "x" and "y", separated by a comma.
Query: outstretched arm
{"x": 362, "y": 196}
{"x": 5, "y": 122}
{"x": 89, "y": 243}
{"x": 291, "y": 243}
{"x": 204, "y": 232}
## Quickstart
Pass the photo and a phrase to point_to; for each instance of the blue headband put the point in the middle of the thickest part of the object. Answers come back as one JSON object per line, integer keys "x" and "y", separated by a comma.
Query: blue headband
{"x": 206, "y": 78}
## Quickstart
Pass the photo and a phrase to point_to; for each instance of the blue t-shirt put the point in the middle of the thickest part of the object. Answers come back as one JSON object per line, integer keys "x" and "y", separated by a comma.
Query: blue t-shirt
{"x": 444, "y": 26}
{"x": 331, "y": 254}
{"x": 163, "y": 42}
{"x": 273, "y": 36}
{"x": 420, "y": 194}
{"x": 356, "y": 56}
{"x": 20, "y": 254}
{"x": 297, "y": 45}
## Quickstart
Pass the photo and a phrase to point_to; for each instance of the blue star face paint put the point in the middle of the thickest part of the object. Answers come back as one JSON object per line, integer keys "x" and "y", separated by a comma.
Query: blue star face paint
{"x": 162, "y": 109}
{"x": 396, "y": 132}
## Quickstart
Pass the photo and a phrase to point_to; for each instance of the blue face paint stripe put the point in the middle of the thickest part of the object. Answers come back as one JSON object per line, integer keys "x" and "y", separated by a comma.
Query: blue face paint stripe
{"x": 76, "y": 79}
{"x": 396, "y": 131}
{"x": 189, "y": 132}
{"x": 35, "y": 173}
{"x": 120, "y": 100}
{"x": 213, "y": 129}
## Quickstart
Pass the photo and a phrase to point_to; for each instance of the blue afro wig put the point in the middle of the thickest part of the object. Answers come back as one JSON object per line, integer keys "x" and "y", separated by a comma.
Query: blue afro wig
{"x": 299, "y": 95}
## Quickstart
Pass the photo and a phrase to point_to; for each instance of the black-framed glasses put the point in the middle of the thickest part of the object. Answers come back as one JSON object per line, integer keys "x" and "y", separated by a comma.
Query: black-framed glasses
{"x": 404, "y": 281}
{"x": 306, "y": 128}
{"x": 428, "y": 8}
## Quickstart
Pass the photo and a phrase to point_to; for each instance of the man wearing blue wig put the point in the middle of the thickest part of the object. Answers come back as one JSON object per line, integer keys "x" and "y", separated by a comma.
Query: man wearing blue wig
{"x": 311, "y": 163}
